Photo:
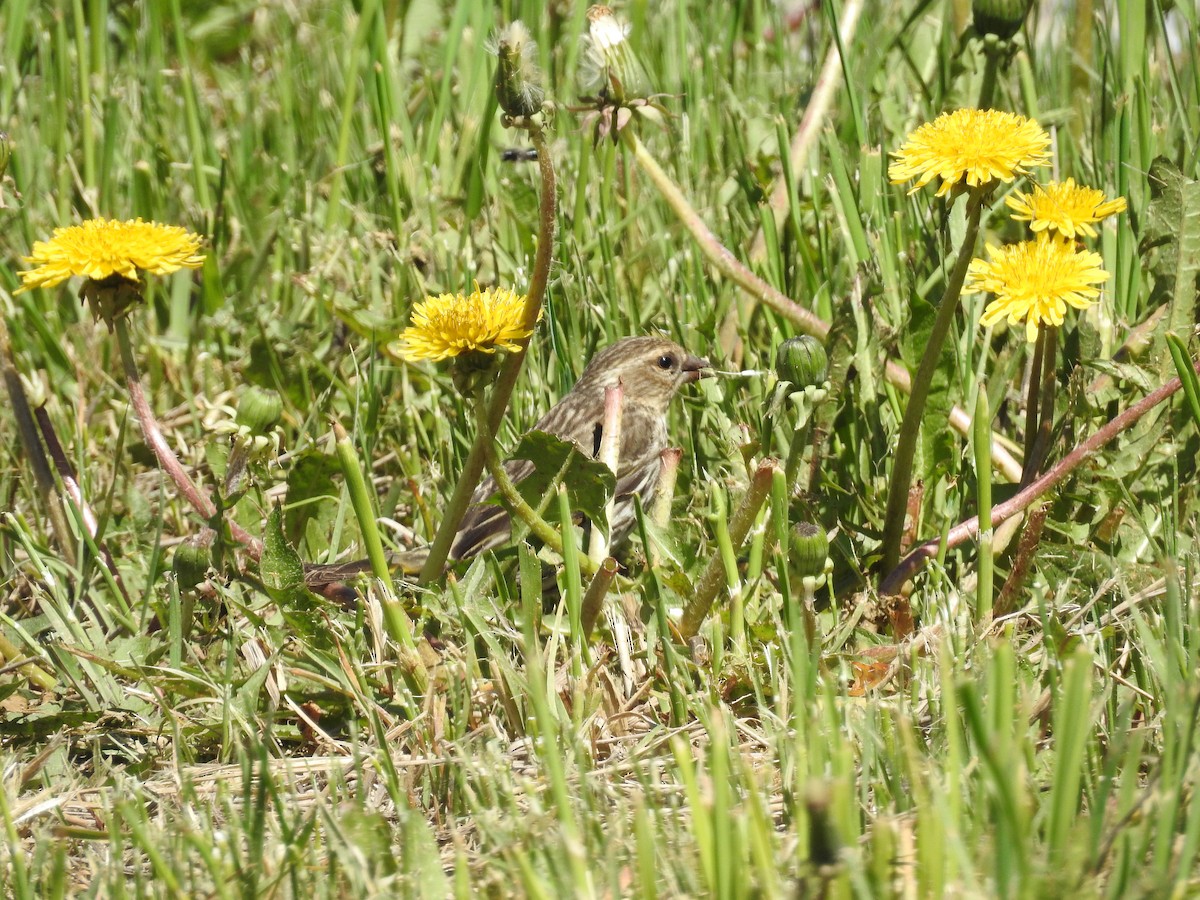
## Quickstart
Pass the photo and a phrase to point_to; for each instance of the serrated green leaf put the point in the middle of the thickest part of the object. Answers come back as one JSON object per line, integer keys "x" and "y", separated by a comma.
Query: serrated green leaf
{"x": 1125, "y": 372}
{"x": 589, "y": 482}
{"x": 282, "y": 574}
{"x": 1173, "y": 230}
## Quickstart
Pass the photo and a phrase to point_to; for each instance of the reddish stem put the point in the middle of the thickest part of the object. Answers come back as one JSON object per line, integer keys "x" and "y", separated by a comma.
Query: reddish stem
{"x": 965, "y": 531}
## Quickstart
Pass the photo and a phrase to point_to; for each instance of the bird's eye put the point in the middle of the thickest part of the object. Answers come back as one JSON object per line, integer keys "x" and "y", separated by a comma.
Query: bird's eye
{"x": 666, "y": 361}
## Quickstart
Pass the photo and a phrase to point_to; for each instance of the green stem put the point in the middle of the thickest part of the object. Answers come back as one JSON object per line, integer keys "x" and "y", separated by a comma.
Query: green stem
{"x": 991, "y": 66}
{"x": 1048, "y": 387}
{"x": 538, "y": 527}
{"x": 710, "y": 582}
{"x": 910, "y": 426}
{"x": 472, "y": 469}
{"x": 1032, "y": 399}
{"x": 593, "y": 599}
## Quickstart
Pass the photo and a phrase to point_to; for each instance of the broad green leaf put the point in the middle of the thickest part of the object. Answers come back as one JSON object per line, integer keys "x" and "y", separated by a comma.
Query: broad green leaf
{"x": 282, "y": 574}
{"x": 1173, "y": 230}
{"x": 589, "y": 482}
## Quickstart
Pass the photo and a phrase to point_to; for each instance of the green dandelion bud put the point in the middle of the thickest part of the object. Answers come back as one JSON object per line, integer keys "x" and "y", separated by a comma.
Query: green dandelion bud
{"x": 518, "y": 86}
{"x": 810, "y": 550}
{"x": 191, "y": 564}
{"x": 1002, "y": 18}
{"x": 802, "y": 361}
{"x": 5, "y": 153}
{"x": 259, "y": 410}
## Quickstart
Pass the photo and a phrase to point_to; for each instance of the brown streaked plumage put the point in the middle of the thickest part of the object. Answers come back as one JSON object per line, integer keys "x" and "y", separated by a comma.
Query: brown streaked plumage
{"x": 651, "y": 370}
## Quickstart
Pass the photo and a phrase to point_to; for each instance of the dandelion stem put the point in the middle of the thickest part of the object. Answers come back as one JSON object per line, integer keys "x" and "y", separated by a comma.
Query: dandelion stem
{"x": 991, "y": 67}
{"x": 739, "y": 526}
{"x": 593, "y": 598}
{"x": 968, "y": 529}
{"x": 538, "y": 526}
{"x": 910, "y": 425}
{"x": 1032, "y": 401}
{"x": 1046, "y": 386}
{"x": 723, "y": 260}
{"x": 162, "y": 451}
{"x": 472, "y": 469}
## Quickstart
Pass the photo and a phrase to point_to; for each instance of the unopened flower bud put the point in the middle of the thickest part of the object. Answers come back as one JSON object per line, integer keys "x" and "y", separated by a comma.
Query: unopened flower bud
{"x": 802, "y": 361}
{"x": 192, "y": 561}
{"x": 5, "y": 153}
{"x": 609, "y": 69}
{"x": 1002, "y": 18}
{"x": 518, "y": 87}
{"x": 810, "y": 550}
{"x": 259, "y": 409}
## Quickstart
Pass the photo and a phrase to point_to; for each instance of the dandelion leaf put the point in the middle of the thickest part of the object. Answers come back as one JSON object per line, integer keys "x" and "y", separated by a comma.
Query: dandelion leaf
{"x": 1170, "y": 248}
{"x": 282, "y": 574}
{"x": 588, "y": 481}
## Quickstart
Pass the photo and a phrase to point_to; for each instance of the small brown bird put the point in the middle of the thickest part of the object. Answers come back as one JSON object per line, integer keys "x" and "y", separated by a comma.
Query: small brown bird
{"x": 651, "y": 371}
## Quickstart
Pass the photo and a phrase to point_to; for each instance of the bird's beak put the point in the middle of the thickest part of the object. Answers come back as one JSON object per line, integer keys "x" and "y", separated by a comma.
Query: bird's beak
{"x": 695, "y": 368}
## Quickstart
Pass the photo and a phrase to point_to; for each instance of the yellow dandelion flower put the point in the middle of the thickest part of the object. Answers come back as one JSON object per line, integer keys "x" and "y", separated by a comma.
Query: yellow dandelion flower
{"x": 99, "y": 249}
{"x": 1035, "y": 281}
{"x": 451, "y": 324}
{"x": 975, "y": 146}
{"x": 1067, "y": 208}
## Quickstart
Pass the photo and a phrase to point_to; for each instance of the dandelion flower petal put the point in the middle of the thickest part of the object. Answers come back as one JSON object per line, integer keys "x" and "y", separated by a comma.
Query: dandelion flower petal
{"x": 102, "y": 248}
{"x": 451, "y": 324}
{"x": 1035, "y": 281}
{"x": 970, "y": 146}
{"x": 1065, "y": 207}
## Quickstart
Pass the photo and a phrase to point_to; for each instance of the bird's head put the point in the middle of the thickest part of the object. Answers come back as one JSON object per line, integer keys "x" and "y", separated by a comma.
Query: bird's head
{"x": 650, "y": 369}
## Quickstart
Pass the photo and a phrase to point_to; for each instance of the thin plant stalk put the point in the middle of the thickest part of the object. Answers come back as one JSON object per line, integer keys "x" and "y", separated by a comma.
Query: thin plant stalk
{"x": 969, "y": 528}
{"x": 910, "y": 425}
{"x": 593, "y": 598}
{"x": 991, "y": 68}
{"x": 710, "y": 581}
{"x": 473, "y": 467}
{"x": 1032, "y": 403}
{"x": 1046, "y": 387}
{"x": 728, "y": 265}
{"x": 538, "y": 526}
{"x": 395, "y": 619}
{"x": 983, "y": 478}
{"x": 609, "y": 454}
{"x": 162, "y": 451}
